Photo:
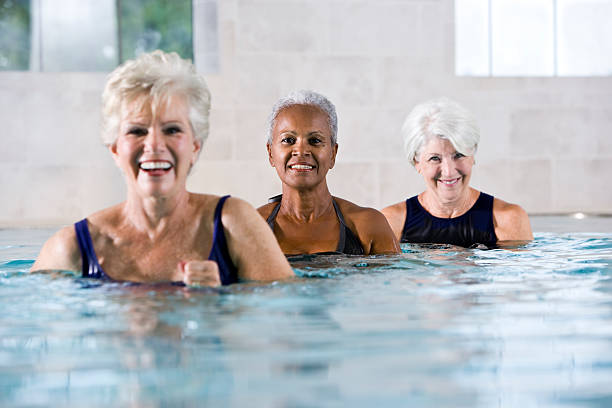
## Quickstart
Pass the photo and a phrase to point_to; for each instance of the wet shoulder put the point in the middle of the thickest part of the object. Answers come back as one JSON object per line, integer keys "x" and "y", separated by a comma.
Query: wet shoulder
{"x": 511, "y": 221}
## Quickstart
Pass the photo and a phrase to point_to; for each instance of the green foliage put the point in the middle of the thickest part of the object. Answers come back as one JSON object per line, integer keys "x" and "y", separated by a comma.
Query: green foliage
{"x": 146, "y": 25}
{"x": 14, "y": 35}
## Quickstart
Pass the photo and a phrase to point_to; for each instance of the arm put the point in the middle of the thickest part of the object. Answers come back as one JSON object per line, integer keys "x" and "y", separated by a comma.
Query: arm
{"x": 511, "y": 222}
{"x": 60, "y": 252}
{"x": 252, "y": 244}
{"x": 396, "y": 216}
{"x": 377, "y": 232}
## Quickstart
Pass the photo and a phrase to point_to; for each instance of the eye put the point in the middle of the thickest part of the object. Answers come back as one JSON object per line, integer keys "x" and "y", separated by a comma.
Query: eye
{"x": 459, "y": 155}
{"x": 314, "y": 141}
{"x": 434, "y": 159}
{"x": 137, "y": 131}
{"x": 288, "y": 140}
{"x": 172, "y": 130}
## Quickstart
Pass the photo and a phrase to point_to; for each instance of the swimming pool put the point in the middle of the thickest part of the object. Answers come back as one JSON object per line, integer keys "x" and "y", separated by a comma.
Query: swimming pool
{"x": 435, "y": 326}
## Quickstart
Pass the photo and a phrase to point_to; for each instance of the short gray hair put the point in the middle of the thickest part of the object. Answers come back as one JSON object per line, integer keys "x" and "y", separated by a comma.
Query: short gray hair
{"x": 441, "y": 118}
{"x": 155, "y": 75}
{"x": 309, "y": 98}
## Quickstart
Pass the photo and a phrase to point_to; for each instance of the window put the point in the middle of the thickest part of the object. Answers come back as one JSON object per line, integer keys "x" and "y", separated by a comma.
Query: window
{"x": 90, "y": 35}
{"x": 533, "y": 37}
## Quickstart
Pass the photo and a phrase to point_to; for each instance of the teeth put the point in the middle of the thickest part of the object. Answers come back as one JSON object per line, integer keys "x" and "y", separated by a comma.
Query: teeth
{"x": 448, "y": 182}
{"x": 155, "y": 165}
{"x": 301, "y": 167}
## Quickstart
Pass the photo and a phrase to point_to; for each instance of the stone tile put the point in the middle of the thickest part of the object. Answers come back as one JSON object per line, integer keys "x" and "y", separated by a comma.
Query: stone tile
{"x": 220, "y": 142}
{"x": 580, "y": 185}
{"x": 398, "y": 181}
{"x": 349, "y": 82}
{"x": 374, "y": 28}
{"x": 257, "y": 81}
{"x": 354, "y": 181}
{"x": 369, "y": 134}
{"x": 251, "y": 135}
{"x": 561, "y": 132}
{"x": 252, "y": 181}
{"x": 527, "y": 182}
{"x": 281, "y": 26}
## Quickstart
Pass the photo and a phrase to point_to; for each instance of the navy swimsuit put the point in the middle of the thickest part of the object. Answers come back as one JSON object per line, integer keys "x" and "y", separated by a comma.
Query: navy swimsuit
{"x": 347, "y": 244}
{"x": 218, "y": 253}
{"x": 470, "y": 229}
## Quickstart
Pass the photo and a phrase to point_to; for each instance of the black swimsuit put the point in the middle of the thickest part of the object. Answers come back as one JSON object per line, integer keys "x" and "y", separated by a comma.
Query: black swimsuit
{"x": 472, "y": 228}
{"x": 218, "y": 253}
{"x": 347, "y": 244}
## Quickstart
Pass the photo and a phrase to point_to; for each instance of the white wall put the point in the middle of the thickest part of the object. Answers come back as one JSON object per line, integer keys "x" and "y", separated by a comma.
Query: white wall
{"x": 546, "y": 142}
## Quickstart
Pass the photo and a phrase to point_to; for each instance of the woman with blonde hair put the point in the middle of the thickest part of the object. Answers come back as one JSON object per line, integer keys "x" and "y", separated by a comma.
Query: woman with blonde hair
{"x": 155, "y": 121}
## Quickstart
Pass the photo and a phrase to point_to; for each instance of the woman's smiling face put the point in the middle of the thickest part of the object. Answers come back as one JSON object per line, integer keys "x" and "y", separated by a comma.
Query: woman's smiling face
{"x": 302, "y": 150}
{"x": 446, "y": 172}
{"x": 156, "y": 152}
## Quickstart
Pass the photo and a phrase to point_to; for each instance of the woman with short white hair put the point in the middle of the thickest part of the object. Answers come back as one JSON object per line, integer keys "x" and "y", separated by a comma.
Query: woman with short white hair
{"x": 440, "y": 140}
{"x": 155, "y": 121}
{"x": 306, "y": 219}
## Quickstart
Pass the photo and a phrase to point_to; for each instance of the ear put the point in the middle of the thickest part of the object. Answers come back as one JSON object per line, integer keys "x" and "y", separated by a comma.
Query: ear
{"x": 333, "y": 158}
{"x": 270, "y": 155}
{"x": 113, "y": 149}
{"x": 417, "y": 166}
{"x": 197, "y": 146}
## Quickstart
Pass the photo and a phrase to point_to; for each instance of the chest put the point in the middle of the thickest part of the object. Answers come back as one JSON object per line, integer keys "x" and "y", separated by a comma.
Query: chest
{"x": 322, "y": 235}
{"x": 138, "y": 258}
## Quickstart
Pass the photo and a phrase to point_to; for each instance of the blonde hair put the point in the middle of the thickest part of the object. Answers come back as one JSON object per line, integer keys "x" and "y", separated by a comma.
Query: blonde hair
{"x": 155, "y": 76}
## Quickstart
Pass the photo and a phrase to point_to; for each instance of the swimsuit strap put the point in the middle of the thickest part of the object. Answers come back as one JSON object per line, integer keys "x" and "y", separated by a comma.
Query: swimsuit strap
{"x": 91, "y": 267}
{"x": 272, "y": 217}
{"x": 219, "y": 251}
{"x": 343, "y": 227}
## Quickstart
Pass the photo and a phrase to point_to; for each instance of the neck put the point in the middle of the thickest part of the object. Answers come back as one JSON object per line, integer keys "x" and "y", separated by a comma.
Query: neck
{"x": 152, "y": 214}
{"x": 448, "y": 209}
{"x": 306, "y": 205}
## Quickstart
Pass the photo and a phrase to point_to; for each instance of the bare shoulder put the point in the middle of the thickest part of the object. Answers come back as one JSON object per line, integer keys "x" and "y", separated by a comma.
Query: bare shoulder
{"x": 60, "y": 252}
{"x": 511, "y": 222}
{"x": 253, "y": 247}
{"x": 356, "y": 214}
{"x": 396, "y": 216}
{"x": 266, "y": 209}
{"x": 371, "y": 226}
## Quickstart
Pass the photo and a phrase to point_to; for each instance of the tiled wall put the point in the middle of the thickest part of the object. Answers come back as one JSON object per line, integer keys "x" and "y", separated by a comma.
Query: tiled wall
{"x": 546, "y": 142}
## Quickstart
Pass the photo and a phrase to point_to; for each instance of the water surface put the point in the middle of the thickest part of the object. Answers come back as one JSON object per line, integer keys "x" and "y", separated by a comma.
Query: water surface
{"x": 436, "y": 326}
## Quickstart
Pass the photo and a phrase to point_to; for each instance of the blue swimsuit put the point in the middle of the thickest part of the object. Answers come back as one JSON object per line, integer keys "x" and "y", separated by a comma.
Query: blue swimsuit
{"x": 470, "y": 229}
{"x": 218, "y": 253}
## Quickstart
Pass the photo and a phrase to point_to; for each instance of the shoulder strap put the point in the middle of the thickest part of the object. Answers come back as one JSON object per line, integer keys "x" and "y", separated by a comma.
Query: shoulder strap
{"x": 272, "y": 217}
{"x": 343, "y": 227}
{"x": 219, "y": 251}
{"x": 91, "y": 268}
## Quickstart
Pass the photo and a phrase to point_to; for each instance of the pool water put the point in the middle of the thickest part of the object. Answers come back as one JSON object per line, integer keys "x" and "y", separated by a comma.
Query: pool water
{"x": 436, "y": 326}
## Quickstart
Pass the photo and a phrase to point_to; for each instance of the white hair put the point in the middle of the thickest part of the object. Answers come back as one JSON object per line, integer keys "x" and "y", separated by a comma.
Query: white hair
{"x": 155, "y": 76}
{"x": 441, "y": 118}
{"x": 309, "y": 98}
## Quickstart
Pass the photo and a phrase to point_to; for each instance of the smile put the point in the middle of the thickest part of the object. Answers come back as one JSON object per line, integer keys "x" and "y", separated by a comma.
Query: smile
{"x": 450, "y": 182}
{"x": 155, "y": 165}
{"x": 301, "y": 167}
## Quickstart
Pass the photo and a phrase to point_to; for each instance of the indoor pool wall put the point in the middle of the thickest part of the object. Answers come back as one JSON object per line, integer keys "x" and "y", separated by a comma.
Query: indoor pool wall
{"x": 435, "y": 326}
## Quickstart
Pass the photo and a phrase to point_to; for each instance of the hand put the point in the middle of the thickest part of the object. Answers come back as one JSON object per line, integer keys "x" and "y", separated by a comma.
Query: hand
{"x": 199, "y": 273}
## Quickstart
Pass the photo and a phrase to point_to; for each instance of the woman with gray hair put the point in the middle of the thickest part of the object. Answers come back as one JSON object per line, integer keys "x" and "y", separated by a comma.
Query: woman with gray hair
{"x": 440, "y": 139}
{"x": 306, "y": 219}
{"x": 155, "y": 120}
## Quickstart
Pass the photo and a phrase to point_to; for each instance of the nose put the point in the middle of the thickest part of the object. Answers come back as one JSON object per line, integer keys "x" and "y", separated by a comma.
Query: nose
{"x": 154, "y": 141}
{"x": 447, "y": 168}
{"x": 301, "y": 148}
